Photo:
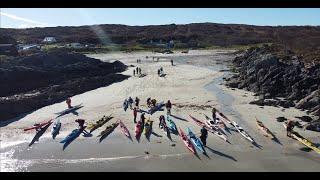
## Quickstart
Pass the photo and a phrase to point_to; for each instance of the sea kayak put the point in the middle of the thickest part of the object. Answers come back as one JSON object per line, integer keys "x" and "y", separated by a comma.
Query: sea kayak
{"x": 99, "y": 123}
{"x": 172, "y": 126}
{"x": 242, "y": 132}
{"x": 265, "y": 130}
{"x": 75, "y": 133}
{"x": 156, "y": 108}
{"x": 124, "y": 129}
{"x": 68, "y": 110}
{"x": 39, "y": 125}
{"x": 303, "y": 140}
{"x": 222, "y": 117}
{"x": 186, "y": 141}
{"x": 56, "y": 127}
{"x": 215, "y": 132}
{"x": 218, "y": 126}
{"x": 108, "y": 129}
{"x": 196, "y": 142}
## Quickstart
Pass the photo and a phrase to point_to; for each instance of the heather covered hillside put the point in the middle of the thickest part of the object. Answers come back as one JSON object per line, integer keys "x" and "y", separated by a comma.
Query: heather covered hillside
{"x": 300, "y": 39}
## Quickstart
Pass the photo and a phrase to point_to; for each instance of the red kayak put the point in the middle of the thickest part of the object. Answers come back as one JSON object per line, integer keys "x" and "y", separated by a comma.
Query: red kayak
{"x": 186, "y": 141}
{"x": 138, "y": 129}
{"x": 39, "y": 125}
{"x": 124, "y": 129}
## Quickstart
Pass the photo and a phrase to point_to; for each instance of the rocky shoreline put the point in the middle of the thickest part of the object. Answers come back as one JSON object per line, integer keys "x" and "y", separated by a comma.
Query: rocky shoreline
{"x": 279, "y": 79}
{"x": 32, "y": 82}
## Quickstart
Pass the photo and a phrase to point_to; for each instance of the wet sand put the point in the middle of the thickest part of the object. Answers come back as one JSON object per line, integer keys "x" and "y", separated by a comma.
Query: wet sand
{"x": 193, "y": 85}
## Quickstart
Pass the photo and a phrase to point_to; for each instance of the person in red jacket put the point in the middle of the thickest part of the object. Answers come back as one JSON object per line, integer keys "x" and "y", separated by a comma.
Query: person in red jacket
{"x": 68, "y": 101}
{"x": 135, "y": 114}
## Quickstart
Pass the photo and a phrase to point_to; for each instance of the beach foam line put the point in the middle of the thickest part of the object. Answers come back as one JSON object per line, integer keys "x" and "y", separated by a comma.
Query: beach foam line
{"x": 12, "y": 143}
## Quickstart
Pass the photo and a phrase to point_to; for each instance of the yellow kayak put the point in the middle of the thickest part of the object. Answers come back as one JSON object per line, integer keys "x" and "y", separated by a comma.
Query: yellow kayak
{"x": 99, "y": 123}
{"x": 305, "y": 141}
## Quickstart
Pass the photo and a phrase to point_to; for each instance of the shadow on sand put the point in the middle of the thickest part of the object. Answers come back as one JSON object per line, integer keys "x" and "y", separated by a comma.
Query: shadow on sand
{"x": 39, "y": 134}
{"x": 220, "y": 153}
{"x": 257, "y": 145}
{"x": 182, "y": 119}
{"x": 148, "y": 134}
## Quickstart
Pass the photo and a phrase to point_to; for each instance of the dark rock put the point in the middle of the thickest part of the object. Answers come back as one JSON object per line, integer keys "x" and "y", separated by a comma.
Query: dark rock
{"x": 281, "y": 119}
{"x": 29, "y": 83}
{"x": 305, "y": 118}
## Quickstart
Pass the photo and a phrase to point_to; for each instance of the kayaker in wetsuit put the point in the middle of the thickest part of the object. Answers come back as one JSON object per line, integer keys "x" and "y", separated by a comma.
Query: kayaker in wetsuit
{"x": 290, "y": 127}
{"x": 171, "y": 62}
{"x": 153, "y": 102}
{"x": 134, "y": 72}
{"x": 68, "y": 101}
{"x": 158, "y": 72}
{"x": 137, "y": 70}
{"x": 130, "y": 100}
{"x": 161, "y": 121}
{"x": 135, "y": 114}
{"x": 214, "y": 110}
{"x": 168, "y": 106}
{"x": 80, "y": 122}
{"x": 203, "y": 136}
{"x": 149, "y": 102}
{"x": 137, "y": 101}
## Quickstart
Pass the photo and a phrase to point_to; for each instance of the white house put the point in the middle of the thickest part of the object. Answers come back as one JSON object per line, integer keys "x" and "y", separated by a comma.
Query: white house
{"x": 49, "y": 40}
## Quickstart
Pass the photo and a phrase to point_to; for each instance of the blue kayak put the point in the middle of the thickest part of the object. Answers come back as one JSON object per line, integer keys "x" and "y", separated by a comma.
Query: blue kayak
{"x": 75, "y": 133}
{"x": 156, "y": 108}
{"x": 171, "y": 124}
{"x": 195, "y": 140}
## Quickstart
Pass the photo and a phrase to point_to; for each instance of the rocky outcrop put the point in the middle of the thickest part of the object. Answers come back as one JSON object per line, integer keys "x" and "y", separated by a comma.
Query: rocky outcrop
{"x": 29, "y": 83}
{"x": 269, "y": 75}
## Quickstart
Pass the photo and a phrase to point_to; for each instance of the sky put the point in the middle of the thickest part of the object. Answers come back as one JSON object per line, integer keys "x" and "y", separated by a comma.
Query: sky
{"x": 50, "y": 17}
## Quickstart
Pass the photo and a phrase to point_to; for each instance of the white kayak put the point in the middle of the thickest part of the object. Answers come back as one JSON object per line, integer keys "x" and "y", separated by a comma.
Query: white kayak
{"x": 215, "y": 132}
{"x": 242, "y": 132}
{"x": 218, "y": 126}
{"x": 56, "y": 127}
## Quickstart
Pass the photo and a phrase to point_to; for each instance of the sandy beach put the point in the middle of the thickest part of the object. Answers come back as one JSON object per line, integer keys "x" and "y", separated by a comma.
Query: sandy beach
{"x": 194, "y": 85}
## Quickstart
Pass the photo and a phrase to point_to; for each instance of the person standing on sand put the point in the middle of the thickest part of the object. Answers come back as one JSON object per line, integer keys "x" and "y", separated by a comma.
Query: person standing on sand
{"x": 154, "y": 102}
{"x": 137, "y": 100}
{"x": 130, "y": 100}
{"x": 161, "y": 121}
{"x": 140, "y": 71}
{"x": 149, "y": 101}
{"x": 68, "y": 101}
{"x": 80, "y": 122}
{"x": 135, "y": 112}
{"x": 158, "y": 72}
{"x": 214, "y": 110}
{"x": 134, "y": 72}
{"x": 290, "y": 127}
{"x": 168, "y": 106}
{"x": 171, "y": 62}
{"x": 204, "y": 135}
